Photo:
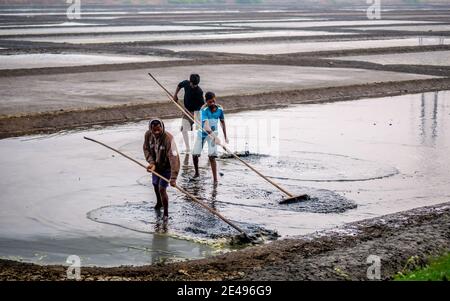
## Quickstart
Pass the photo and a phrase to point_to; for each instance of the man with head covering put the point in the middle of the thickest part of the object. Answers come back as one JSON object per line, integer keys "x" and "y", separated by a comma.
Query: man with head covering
{"x": 161, "y": 153}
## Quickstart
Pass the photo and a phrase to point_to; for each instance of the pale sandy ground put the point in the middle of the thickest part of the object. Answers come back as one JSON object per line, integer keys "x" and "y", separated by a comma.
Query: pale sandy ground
{"x": 302, "y": 46}
{"x": 45, "y": 60}
{"x": 322, "y": 23}
{"x": 28, "y": 94}
{"x": 409, "y": 28}
{"x": 150, "y": 37}
{"x": 100, "y": 29}
{"x": 433, "y": 58}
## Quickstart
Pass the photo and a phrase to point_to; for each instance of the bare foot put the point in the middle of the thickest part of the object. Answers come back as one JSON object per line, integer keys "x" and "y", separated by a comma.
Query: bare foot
{"x": 194, "y": 177}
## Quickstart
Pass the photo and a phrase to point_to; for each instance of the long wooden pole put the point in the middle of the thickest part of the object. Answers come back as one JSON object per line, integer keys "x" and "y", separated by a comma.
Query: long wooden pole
{"x": 189, "y": 115}
{"x": 176, "y": 186}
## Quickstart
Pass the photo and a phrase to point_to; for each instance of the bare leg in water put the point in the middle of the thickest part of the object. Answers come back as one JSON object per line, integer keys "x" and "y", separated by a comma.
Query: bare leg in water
{"x": 195, "y": 160}
{"x": 165, "y": 201}
{"x": 186, "y": 140}
{"x": 212, "y": 161}
{"x": 158, "y": 197}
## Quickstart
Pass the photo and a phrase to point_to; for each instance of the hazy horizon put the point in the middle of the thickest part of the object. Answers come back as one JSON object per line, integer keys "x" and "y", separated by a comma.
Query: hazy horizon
{"x": 221, "y": 2}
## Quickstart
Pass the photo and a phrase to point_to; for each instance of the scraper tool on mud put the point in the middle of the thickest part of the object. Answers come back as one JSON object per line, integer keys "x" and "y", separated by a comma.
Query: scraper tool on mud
{"x": 243, "y": 237}
{"x": 290, "y": 197}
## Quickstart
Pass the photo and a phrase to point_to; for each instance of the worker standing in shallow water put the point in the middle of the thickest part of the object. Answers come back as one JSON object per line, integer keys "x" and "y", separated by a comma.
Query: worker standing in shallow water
{"x": 193, "y": 102}
{"x": 210, "y": 115}
{"x": 161, "y": 153}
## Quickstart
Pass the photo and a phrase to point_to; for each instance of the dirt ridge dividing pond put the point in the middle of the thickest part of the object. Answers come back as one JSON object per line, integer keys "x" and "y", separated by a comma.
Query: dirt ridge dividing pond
{"x": 50, "y": 122}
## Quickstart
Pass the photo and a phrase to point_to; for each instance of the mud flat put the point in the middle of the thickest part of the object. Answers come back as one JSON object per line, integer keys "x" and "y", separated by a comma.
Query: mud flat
{"x": 357, "y": 160}
{"x": 321, "y": 23}
{"x": 424, "y": 28}
{"x": 294, "y": 47}
{"x": 25, "y": 111}
{"x": 20, "y": 61}
{"x": 338, "y": 254}
{"x": 117, "y": 38}
{"x": 433, "y": 58}
{"x": 100, "y": 29}
{"x": 88, "y": 90}
{"x": 53, "y": 121}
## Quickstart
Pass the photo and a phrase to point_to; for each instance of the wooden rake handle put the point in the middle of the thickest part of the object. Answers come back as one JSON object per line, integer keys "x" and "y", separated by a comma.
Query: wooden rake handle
{"x": 213, "y": 136}
{"x": 176, "y": 186}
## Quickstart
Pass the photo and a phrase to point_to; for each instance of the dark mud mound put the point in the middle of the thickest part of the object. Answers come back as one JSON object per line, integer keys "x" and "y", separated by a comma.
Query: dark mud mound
{"x": 319, "y": 201}
{"x": 256, "y": 236}
{"x": 242, "y": 154}
{"x": 242, "y": 193}
{"x": 187, "y": 221}
{"x": 323, "y": 201}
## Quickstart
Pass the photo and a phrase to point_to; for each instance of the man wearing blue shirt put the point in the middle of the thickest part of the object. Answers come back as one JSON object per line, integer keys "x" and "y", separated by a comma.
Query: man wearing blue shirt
{"x": 210, "y": 115}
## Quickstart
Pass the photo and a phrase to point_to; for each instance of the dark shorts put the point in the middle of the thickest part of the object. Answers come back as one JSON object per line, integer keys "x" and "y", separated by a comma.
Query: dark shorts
{"x": 157, "y": 181}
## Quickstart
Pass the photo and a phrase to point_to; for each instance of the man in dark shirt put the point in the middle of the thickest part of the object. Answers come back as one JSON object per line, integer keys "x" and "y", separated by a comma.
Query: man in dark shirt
{"x": 193, "y": 102}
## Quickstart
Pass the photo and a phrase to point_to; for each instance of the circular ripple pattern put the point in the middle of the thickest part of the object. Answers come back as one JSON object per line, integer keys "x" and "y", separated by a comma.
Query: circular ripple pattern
{"x": 187, "y": 221}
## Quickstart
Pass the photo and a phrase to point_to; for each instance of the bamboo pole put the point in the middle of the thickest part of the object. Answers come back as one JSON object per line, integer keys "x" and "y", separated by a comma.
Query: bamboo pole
{"x": 197, "y": 201}
{"x": 213, "y": 136}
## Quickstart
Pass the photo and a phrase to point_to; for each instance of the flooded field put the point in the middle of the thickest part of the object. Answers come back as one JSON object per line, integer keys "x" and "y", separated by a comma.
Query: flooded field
{"x": 324, "y": 23}
{"x": 426, "y": 28}
{"x": 356, "y": 159}
{"x": 99, "y": 29}
{"x": 432, "y": 58}
{"x": 28, "y": 61}
{"x": 118, "y": 38}
{"x": 301, "y": 46}
{"x": 303, "y": 104}
{"x": 49, "y": 25}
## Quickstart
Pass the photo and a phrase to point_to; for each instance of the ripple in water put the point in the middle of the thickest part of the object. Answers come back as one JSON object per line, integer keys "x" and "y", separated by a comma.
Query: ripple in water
{"x": 187, "y": 221}
{"x": 319, "y": 167}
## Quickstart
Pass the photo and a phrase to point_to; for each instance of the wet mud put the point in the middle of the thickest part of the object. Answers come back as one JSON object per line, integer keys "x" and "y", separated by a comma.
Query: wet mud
{"x": 351, "y": 167}
{"x": 51, "y": 122}
{"x": 389, "y": 165}
{"x": 55, "y": 116}
{"x": 188, "y": 222}
{"x": 339, "y": 254}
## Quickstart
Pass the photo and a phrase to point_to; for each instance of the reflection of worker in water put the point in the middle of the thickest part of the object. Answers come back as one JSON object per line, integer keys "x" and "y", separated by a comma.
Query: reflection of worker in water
{"x": 193, "y": 102}
{"x": 161, "y": 153}
{"x": 210, "y": 115}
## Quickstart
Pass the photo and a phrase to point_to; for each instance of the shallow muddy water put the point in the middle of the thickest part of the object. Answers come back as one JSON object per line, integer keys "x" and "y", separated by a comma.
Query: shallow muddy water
{"x": 63, "y": 195}
{"x": 293, "y": 47}
{"x": 433, "y": 58}
{"x": 118, "y": 38}
{"x": 324, "y": 23}
{"x": 45, "y": 60}
{"x": 48, "y": 25}
{"x": 424, "y": 27}
{"x": 99, "y": 29}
